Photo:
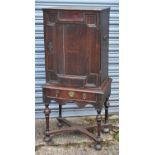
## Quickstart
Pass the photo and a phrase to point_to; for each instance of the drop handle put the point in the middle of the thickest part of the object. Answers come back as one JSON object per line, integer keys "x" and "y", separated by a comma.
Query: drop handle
{"x": 84, "y": 96}
{"x": 50, "y": 47}
{"x": 57, "y": 93}
{"x": 71, "y": 94}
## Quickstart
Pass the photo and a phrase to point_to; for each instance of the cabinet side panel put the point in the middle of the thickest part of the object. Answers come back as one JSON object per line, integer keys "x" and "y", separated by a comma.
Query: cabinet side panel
{"x": 44, "y": 23}
{"x": 104, "y": 18}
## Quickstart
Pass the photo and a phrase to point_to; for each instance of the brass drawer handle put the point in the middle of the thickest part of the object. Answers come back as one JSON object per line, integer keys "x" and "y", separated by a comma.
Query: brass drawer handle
{"x": 71, "y": 94}
{"x": 57, "y": 93}
{"x": 84, "y": 96}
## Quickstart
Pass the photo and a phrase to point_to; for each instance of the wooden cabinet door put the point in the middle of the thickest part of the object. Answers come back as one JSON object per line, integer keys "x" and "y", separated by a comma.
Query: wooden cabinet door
{"x": 72, "y": 47}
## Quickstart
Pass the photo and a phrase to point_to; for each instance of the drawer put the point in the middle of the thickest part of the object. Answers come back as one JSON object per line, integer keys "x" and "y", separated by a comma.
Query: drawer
{"x": 71, "y": 95}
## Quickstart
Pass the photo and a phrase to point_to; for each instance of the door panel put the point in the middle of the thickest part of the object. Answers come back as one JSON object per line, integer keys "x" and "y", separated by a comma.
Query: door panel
{"x": 75, "y": 49}
{"x": 72, "y": 48}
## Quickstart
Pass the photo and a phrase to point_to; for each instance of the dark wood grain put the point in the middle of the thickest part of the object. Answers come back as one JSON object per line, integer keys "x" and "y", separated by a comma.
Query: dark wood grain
{"x": 76, "y": 60}
{"x": 73, "y": 48}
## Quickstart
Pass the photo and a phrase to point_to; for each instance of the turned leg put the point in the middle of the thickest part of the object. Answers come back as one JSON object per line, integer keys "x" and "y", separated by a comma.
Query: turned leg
{"x": 60, "y": 116}
{"x": 60, "y": 110}
{"x": 98, "y": 120}
{"x": 47, "y": 114}
{"x": 106, "y": 128}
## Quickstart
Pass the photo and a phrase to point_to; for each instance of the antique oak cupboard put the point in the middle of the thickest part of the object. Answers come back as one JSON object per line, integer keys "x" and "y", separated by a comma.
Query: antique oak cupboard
{"x": 76, "y": 60}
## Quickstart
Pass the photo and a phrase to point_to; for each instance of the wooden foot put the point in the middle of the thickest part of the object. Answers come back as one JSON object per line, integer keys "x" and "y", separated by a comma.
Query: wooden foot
{"x": 59, "y": 124}
{"x": 47, "y": 139}
{"x": 105, "y": 130}
{"x": 98, "y": 146}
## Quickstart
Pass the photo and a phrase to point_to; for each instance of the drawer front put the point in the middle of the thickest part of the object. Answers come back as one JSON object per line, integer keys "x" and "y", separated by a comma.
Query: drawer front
{"x": 71, "y": 95}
